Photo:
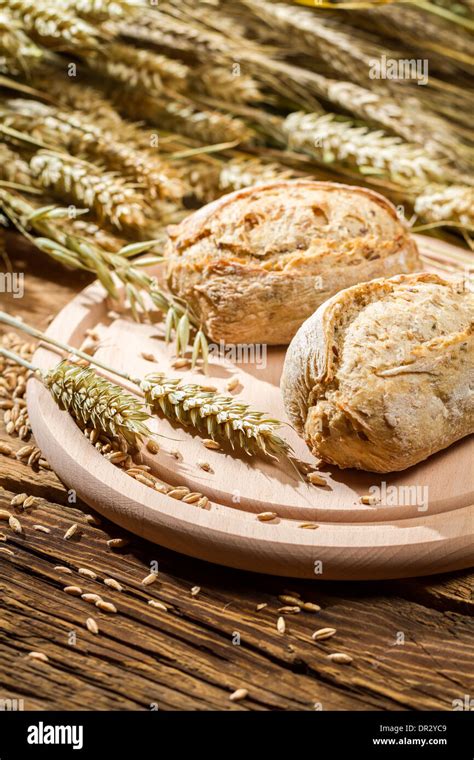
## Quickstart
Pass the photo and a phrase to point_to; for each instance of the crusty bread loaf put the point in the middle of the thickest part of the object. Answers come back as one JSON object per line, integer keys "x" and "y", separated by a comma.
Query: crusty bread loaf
{"x": 256, "y": 263}
{"x": 382, "y": 375}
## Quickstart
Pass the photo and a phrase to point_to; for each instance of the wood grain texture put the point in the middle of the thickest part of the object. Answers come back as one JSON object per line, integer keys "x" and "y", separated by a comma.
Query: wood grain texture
{"x": 185, "y": 658}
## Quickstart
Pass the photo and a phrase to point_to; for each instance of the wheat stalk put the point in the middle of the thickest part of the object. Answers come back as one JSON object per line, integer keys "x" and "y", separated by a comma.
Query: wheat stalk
{"x": 111, "y": 198}
{"x": 222, "y": 418}
{"x": 77, "y": 253}
{"x": 139, "y": 69}
{"x": 92, "y": 400}
{"x": 369, "y": 152}
{"x": 82, "y": 138}
{"x": 52, "y": 25}
{"x": 452, "y": 204}
{"x": 218, "y": 416}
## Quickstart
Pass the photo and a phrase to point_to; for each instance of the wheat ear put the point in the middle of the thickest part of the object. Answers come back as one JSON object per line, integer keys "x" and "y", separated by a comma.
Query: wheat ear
{"x": 52, "y": 25}
{"x": 81, "y": 138}
{"x": 447, "y": 204}
{"x": 92, "y": 400}
{"x": 104, "y": 10}
{"x": 139, "y": 69}
{"x": 16, "y": 48}
{"x": 13, "y": 168}
{"x": 368, "y": 151}
{"x": 77, "y": 253}
{"x": 111, "y": 198}
{"x": 220, "y": 417}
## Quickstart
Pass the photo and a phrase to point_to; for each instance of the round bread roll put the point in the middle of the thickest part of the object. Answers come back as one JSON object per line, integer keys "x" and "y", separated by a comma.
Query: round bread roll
{"x": 256, "y": 263}
{"x": 382, "y": 375}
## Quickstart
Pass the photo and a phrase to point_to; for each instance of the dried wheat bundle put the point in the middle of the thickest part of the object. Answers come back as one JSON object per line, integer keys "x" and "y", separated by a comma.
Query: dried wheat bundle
{"x": 447, "y": 204}
{"x": 370, "y": 152}
{"x": 49, "y": 23}
{"x": 80, "y": 137}
{"x": 222, "y": 418}
{"x": 111, "y": 198}
{"x": 139, "y": 69}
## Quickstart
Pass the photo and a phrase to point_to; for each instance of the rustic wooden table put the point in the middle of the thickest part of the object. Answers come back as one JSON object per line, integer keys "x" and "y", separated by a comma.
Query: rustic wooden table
{"x": 411, "y": 640}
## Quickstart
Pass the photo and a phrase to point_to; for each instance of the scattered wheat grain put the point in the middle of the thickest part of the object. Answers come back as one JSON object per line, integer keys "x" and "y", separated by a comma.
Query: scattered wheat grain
{"x": 117, "y": 543}
{"x": 149, "y": 579}
{"x": 73, "y": 590}
{"x": 266, "y": 516}
{"x": 88, "y": 573}
{"x": 92, "y": 625}
{"x": 340, "y": 657}
{"x": 113, "y": 584}
{"x": 40, "y": 656}
{"x": 41, "y": 528}
{"x": 210, "y": 444}
{"x": 158, "y": 605}
{"x": 18, "y": 500}
{"x": 15, "y": 524}
{"x": 238, "y": 694}
{"x": 106, "y": 606}
{"x": 316, "y": 479}
{"x": 281, "y": 625}
{"x": 310, "y": 607}
{"x": 71, "y": 532}
{"x": 323, "y": 633}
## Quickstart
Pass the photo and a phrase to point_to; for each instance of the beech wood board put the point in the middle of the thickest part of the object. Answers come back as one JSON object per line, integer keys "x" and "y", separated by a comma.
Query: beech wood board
{"x": 353, "y": 541}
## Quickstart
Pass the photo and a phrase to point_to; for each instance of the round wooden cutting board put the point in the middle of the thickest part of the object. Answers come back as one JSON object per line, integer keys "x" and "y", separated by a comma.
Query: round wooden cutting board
{"x": 428, "y": 527}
